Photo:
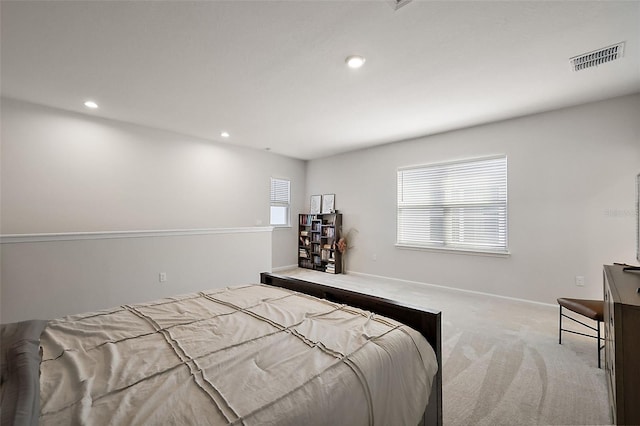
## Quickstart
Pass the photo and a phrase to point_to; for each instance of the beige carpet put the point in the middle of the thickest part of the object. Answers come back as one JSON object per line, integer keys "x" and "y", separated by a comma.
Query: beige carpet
{"x": 502, "y": 364}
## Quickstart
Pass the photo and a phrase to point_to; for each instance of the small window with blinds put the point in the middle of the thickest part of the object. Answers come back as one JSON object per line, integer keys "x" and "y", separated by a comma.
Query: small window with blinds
{"x": 280, "y": 202}
{"x": 454, "y": 206}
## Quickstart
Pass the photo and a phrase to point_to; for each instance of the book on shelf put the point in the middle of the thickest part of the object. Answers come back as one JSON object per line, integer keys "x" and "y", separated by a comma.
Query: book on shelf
{"x": 329, "y": 232}
{"x": 326, "y": 255}
{"x": 305, "y": 263}
{"x": 307, "y": 219}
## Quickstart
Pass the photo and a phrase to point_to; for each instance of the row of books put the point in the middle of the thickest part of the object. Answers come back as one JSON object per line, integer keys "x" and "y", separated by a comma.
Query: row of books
{"x": 305, "y": 263}
{"x": 327, "y": 255}
{"x": 328, "y": 231}
{"x": 308, "y": 219}
{"x": 316, "y": 244}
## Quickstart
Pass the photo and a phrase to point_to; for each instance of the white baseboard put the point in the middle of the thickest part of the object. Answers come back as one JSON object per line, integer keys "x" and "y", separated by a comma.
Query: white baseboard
{"x": 283, "y": 268}
{"x": 362, "y": 274}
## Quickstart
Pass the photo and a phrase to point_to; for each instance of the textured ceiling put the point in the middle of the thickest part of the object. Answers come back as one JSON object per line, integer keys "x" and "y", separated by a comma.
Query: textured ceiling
{"x": 272, "y": 73}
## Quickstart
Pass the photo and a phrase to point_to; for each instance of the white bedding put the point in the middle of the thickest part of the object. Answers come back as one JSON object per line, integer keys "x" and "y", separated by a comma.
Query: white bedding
{"x": 251, "y": 355}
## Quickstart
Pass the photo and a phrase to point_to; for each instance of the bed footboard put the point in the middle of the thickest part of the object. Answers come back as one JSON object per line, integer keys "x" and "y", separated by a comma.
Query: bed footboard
{"x": 426, "y": 321}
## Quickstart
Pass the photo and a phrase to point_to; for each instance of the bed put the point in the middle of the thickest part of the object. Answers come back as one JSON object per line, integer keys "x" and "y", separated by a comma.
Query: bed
{"x": 285, "y": 351}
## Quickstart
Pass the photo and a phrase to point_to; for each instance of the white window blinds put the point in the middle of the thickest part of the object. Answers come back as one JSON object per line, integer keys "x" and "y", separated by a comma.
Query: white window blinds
{"x": 458, "y": 206}
{"x": 280, "y": 201}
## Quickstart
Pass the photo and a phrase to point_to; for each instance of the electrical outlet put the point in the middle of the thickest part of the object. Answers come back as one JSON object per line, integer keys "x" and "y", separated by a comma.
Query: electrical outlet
{"x": 579, "y": 281}
{"x": 162, "y": 277}
{"x": 374, "y": 257}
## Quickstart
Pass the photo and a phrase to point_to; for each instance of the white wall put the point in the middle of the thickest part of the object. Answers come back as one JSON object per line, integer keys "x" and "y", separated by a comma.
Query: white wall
{"x": 571, "y": 191}
{"x": 571, "y": 177}
{"x": 63, "y": 172}
{"x": 65, "y": 274}
{"x": 68, "y": 172}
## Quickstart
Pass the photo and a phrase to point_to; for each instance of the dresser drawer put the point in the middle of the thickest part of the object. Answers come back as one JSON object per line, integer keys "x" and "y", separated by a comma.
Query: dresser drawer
{"x": 622, "y": 345}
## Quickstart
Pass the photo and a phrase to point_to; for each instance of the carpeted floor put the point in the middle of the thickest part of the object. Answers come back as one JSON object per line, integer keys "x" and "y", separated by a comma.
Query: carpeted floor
{"x": 502, "y": 364}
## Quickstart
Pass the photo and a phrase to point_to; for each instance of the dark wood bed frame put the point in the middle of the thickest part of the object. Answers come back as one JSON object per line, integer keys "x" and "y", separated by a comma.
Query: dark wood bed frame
{"x": 426, "y": 321}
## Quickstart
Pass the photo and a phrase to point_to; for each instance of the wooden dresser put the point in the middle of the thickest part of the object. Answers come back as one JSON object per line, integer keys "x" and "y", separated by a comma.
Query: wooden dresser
{"x": 622, "y": 343}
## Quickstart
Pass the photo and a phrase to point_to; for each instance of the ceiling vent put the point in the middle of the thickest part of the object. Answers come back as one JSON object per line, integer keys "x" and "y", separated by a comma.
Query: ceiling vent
{"x": 397, "y": 4}
{"x": 597, "y": 57}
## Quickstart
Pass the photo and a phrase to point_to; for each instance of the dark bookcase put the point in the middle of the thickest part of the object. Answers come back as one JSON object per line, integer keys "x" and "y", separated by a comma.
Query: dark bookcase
{"x": 318, "y": 236}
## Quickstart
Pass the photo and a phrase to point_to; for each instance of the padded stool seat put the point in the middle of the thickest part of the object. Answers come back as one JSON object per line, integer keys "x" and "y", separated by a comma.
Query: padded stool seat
{"x": 592, "y": 309}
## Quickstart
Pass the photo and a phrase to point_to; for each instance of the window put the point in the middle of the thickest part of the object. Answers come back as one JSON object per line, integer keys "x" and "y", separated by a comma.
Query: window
{"x": 280, "y": 202}
{"x": 455, "y": 206}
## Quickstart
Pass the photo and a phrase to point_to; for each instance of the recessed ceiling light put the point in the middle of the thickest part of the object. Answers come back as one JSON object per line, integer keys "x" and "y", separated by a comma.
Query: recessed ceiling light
{"x": 355, "y": 61}
{"x": 225, "y": 134}
{"x": 91, "y": 104}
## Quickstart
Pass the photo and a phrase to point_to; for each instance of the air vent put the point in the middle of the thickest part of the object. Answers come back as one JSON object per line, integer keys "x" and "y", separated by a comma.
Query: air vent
{"x": 397, "y": 4}
{"x": 597, "y": 57}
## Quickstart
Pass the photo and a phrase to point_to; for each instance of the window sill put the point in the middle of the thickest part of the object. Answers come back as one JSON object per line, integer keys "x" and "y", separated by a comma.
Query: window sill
{"x": 455, "y": 251}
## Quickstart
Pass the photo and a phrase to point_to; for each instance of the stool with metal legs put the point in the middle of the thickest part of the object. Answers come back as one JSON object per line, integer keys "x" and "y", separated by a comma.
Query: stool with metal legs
{"x": 592, "y": 309}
